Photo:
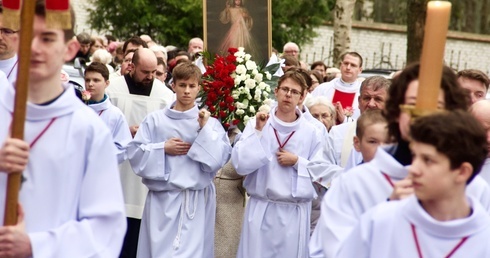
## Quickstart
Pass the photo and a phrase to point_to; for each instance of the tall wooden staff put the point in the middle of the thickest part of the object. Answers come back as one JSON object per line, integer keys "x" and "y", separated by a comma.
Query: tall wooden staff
{"x": 57, "y": 16}
{"x": 14, "y": 179}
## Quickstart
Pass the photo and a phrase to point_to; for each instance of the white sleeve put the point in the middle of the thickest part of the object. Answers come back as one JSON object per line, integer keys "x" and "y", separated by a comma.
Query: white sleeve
{"x": 100, "y": 226}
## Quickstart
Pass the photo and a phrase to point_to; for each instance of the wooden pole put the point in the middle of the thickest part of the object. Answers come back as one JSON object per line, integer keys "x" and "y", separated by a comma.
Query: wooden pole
{"x": 14, "y": 179}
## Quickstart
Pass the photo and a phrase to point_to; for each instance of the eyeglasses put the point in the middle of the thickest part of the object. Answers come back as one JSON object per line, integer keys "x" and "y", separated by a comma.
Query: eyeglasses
{"x": 8, "y": 32}
{"x": 293, "y": 92}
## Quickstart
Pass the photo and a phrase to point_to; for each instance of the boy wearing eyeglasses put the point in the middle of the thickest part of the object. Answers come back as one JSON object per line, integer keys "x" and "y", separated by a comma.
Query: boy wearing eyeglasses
{"x": 273, "y": 153}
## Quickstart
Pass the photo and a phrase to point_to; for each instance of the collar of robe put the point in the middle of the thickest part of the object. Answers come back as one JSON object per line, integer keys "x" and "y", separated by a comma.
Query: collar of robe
{"x": 459, "y": 228}
{"x": 66, "y": 104}
{"x": 285, "y": 127}
{"x": 389, "y": 165}
{"x": 192, "y": 113}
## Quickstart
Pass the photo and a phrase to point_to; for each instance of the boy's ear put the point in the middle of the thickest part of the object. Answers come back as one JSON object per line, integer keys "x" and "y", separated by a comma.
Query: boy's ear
{"x": 173, "y": 85}
{"x": 357, "y": 144}
{"x": 72, "y": 47}
{"x": 464, "y": 172}
{"x": 107, "y": 83}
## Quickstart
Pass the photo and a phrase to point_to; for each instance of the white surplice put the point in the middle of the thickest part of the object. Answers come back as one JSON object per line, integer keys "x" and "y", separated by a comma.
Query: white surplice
{"x": 485, "y": 171}
{"x": 115, "y": 121}
{"x": 361, "y": 188}
{"x": 135, "y": 108}
{"x": 277, "y": 216}
{"x": 403, "y": 229}
{"x": 71, "y": 194}
{"x": 326, "y": 164}
{"x": 179, "y": 215}
{"x": 10, "y": 67}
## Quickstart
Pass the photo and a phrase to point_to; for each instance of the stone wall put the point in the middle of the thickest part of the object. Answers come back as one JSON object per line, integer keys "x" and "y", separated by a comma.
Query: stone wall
{"x": 384, "y": 46}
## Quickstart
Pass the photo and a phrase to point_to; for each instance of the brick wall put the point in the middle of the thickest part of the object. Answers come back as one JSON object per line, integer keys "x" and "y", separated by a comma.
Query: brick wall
{"x": 373, "y": 41}
{"x": 80, "y": 7}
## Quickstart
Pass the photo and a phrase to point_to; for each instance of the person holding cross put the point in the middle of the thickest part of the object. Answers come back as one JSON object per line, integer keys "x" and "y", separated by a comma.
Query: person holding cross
{"x": 70, "y": 202}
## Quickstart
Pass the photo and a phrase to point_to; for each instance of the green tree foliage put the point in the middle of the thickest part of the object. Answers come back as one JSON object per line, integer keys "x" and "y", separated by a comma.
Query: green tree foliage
{"x": 167, "y": 22}
{"x": 295, "y": 20}
{"x": 176, "y": 21}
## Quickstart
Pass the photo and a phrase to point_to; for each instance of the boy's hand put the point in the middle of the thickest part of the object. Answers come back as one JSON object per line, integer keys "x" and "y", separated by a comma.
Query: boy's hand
{"x": 14, "y": 241}
{"x": 133, "y": 129}
{"x": 402, "y": 189}
{"x": 203, "y": 117}
{"x": 285, "y": 158}
{"x": 175, "y": 146}
{"x": 260, "y": 120}
{"x": 14, "y": 155}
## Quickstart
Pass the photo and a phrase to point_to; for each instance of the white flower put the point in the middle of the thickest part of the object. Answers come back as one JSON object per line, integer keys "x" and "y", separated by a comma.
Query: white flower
{"x": 268, "y": 75}
{"x": 245, "y": 103}
{"x": 235, "y": 96}
{"x": 265, "y": 94}
{"x": 259, "y": 77}
{"x": 239, "y": 112}
{"x": 257, "y": 98}
{"x": 245, "y": 119}
{"x": 239, "y": 60}
{"x": 267, "y": 102}
{"x": 240, "y": 69}
{"x": 265, "y": 108}
{"x": 250, "y": 83}
{"x": 237, "y": 81}
{"x": 252, "y": 109}
{"x": 268, "y": 88}
{"x": 262, "y": 85}
{"x": 240, "y": 53}
{"x": 258, "y": 92}
{"x": 247, "y": 57}
{"x": 247, "y": 76}
{"x": 255, "y": 72}
{"x": 249, "y": 97}
{"x": 251, "y": 65}
{"x": 246, "y": 90}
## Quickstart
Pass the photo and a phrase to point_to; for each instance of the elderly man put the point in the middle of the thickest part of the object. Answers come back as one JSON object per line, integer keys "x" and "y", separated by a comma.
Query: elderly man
{"x": 344, "y": 91}
{"x": 338, "y": 153}
{"x": 292, "y": 49}
{"x": 476, "y": 82}
{"x": 481, "y": 110}
{"x": 196, "y": 45}
{"x": 9, "y": 42}
{"x": 137, "y": 94}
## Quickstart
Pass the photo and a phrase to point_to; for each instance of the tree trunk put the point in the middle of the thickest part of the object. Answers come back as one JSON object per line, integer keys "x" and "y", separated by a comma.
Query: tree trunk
{"x": 342, "y": 27}
{"x": 416, "y": 12}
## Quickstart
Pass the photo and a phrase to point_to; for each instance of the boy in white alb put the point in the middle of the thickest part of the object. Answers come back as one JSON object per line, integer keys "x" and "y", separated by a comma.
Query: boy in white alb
{"x": 273, "y": 152}
{"x": 369, "y": 184}
{"x": 72, "y": 200}
{"x": 96, "y": 80}
{"x": 440, "y": 220}
{"x": 177, "y": 152}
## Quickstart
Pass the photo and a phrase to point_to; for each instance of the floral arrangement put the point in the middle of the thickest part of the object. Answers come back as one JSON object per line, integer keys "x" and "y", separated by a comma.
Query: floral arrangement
{"x": 234, "y": 87}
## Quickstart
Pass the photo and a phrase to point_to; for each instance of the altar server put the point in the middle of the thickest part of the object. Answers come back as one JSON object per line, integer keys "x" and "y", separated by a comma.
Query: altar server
{"x": 177, "y": 151}
{"x": 440, "y": 220}
{"x": 273, "y": 152}
{"x": 71, "y": 201}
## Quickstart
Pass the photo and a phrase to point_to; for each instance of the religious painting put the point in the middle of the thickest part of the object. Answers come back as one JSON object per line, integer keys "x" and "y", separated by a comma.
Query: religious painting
{"x": 238, "y": 23}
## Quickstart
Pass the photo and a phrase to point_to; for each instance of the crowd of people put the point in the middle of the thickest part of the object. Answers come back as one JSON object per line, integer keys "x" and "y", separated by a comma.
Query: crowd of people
{"x": 337, "y": 166}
